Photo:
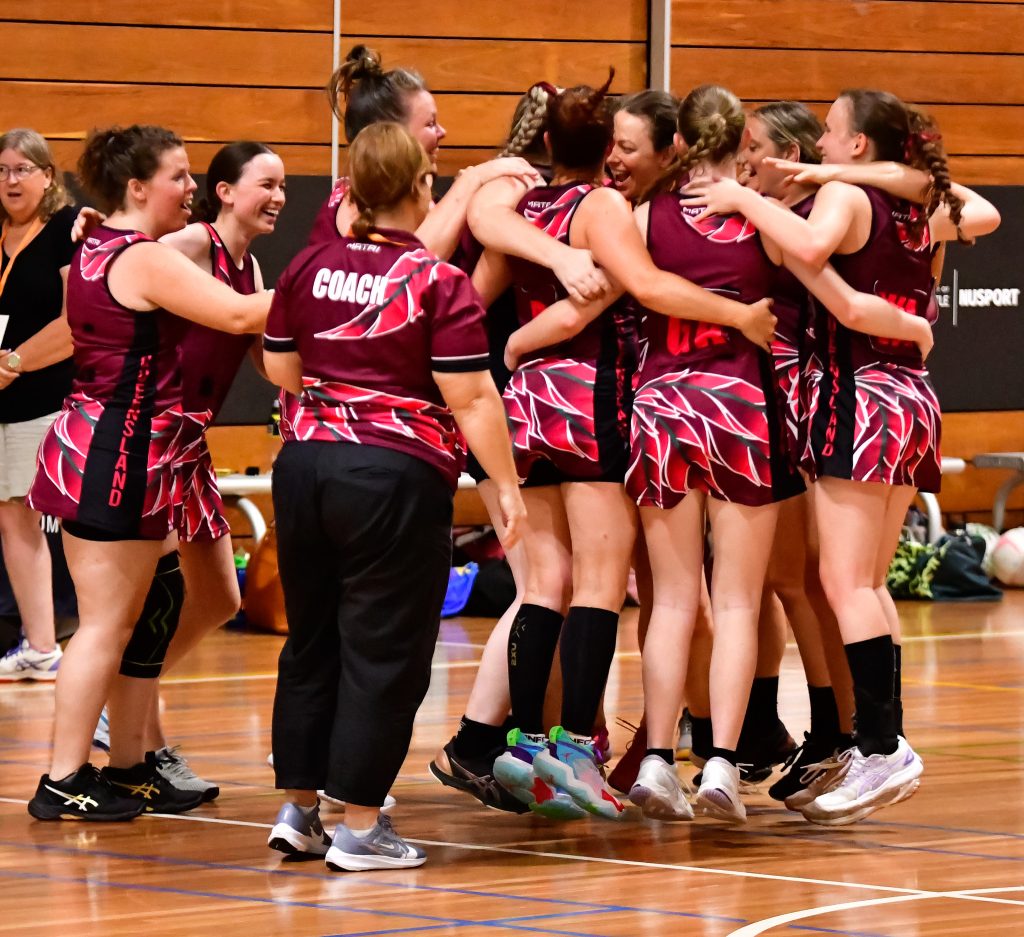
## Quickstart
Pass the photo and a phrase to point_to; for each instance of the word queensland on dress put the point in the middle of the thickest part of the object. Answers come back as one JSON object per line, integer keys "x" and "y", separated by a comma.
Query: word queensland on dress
{"x": 402, "y": 314}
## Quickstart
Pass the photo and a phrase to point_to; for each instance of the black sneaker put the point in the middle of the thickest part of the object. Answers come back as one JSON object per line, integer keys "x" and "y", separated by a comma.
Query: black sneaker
{"x": 144, "y": 783}
{"x": 84, "y": 795}
{"x": 757, "y": 757}
{"x": 475, "y": 778}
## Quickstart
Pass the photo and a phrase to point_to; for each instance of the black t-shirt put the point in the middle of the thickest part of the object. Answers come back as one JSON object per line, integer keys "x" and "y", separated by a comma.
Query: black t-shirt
{"x": 33, "y": 297}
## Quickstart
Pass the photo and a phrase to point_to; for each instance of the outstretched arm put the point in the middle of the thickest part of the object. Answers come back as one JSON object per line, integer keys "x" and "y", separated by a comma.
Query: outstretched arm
{"x": 897, "y": 179}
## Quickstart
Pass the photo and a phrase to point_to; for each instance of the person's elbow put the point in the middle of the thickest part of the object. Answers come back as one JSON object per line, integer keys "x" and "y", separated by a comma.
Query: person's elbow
{"x": 984, "y": 220}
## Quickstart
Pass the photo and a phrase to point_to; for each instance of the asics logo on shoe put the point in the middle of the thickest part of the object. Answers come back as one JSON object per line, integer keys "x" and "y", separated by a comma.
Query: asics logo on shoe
{"x": 82, "y": 801}
{"x": 146, "y": 790}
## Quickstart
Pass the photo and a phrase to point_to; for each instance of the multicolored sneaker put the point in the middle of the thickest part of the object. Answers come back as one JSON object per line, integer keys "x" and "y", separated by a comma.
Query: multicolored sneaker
{"x": 658, "y": 791}
{"x": 475, "y": 777}
{"x": 870, "y": 783}
{"x": 570, "y": 765}
{"x": 299, "y": 832}
{"x": 84, "y": 795}
{"x": 24, "y": 662}
{"x": 381, "y": 848}
{"x": 514, "y": 770}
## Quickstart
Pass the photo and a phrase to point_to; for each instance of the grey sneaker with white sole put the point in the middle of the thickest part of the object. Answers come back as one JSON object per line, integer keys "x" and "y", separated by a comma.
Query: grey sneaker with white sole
{"x": 381, "y": 848}
{"x": 299, "y": 832}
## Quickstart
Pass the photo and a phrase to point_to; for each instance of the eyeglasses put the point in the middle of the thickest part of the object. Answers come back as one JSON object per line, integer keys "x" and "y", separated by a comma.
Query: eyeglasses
{"x": 16, "y": 173}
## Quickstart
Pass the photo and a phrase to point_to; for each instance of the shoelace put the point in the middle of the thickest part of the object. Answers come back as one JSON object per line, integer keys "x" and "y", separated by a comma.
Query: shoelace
{"x": 818, "y": 768}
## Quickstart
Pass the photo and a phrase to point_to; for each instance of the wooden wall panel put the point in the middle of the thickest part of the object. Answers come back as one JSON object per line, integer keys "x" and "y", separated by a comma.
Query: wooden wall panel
{"x": 962, "y": 61}
{"x": 232, "y": 14}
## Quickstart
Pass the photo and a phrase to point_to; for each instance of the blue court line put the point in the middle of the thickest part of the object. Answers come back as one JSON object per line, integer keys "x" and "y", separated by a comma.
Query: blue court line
{"x": 400, "y": 930}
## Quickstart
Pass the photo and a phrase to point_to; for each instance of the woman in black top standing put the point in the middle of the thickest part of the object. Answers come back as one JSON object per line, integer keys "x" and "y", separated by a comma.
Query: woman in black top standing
{"x": 35, "y": 376}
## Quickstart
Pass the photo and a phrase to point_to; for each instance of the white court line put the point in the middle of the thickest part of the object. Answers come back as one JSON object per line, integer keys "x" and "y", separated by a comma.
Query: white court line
{"x": 901, "y": 893}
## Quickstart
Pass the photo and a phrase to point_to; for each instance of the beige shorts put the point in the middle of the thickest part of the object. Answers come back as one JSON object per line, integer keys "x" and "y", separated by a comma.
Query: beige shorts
{"x": 19, "y": 446}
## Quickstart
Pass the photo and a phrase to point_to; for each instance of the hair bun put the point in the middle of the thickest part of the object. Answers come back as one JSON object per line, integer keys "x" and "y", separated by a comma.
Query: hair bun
{"x": 365, "y": 61}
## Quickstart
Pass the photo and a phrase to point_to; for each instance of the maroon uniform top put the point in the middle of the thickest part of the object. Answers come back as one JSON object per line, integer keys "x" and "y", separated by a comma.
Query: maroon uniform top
{"x": 114, "y": 345}
{"x": 371, "y": 320}
{"x": 791, "y": 302}
{"x": 723, "y": 254}
{"x": 552, "y": 208}
{"x": 210, "y": 358}
{"x": 892, "y": 264}
{"x": 325, "y": 225}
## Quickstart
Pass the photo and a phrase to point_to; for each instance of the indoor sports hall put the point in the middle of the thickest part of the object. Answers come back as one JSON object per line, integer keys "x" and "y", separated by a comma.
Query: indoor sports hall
{"x": 946, "y": 854}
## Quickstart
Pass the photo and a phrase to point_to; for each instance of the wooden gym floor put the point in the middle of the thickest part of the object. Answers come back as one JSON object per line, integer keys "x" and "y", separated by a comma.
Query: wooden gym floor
{"x": 950, "y": 861}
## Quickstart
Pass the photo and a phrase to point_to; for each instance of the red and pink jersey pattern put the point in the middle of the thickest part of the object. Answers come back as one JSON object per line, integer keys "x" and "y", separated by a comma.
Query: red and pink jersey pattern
{"x": 706, "y": 416}
{"x": 400, "y": 314}
{"x": 569, "y": 404}
{"x": 107, "y": 461}
{"x": 873, "y": 413}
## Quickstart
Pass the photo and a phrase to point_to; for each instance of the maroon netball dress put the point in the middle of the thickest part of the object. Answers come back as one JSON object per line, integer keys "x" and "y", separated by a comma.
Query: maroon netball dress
{"x": 106, "y": 464}
{"x": 568, "y": 406}
{"x": 706, "y": 417}
{"x": 791, "y": 348}
{"x": 210, "y": 359}
{"x": 373, "y": 320}
{"x": 874, "y": 416}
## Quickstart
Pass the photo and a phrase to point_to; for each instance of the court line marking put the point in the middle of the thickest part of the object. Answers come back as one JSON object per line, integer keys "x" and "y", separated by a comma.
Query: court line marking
{"x": 630, "y": 863}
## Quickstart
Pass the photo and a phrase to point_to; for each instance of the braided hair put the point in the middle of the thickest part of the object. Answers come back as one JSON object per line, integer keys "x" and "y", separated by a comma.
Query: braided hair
{"x": 903, "y": 134}
{"x": 529, "y": 122}
{"x": 711, "y": 121}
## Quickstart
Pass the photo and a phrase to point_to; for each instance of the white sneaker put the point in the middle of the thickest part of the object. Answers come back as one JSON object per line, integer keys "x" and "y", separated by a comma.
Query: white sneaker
{"x": 719, "y": 794}
{"x": 820, "y": 778}
{"x": 24, "y": 662}
{"x": 870, "y": 783}
{"x": 658, "y": 792}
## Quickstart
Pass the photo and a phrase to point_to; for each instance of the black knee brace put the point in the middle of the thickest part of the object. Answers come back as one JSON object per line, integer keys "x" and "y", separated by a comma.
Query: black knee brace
{"x": 147, "y": 647}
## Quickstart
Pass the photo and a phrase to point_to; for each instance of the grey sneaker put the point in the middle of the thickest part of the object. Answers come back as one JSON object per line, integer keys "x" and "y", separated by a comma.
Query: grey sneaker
{"x": 101, "y": 734}
{"x": 381, "y": 848}
{"x": 297, "y": 832}
{"x": 24, "y": 662}
{"x": 172, "y": 766}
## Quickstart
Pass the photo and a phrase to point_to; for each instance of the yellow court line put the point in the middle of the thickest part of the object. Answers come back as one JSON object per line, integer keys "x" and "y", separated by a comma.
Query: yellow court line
{"x": 963, "y": 686}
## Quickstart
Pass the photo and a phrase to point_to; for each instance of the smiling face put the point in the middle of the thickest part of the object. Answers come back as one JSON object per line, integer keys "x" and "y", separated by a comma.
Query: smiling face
{"x": 634, "y": 164}
{"x": 166, "y": 197}
{"x": 758, "y": 145}
{"x": 258, "y": 196}
{"x": 22, "y": 189}
{"x": 840, "y": 143}
{"x": 421, "y": 122}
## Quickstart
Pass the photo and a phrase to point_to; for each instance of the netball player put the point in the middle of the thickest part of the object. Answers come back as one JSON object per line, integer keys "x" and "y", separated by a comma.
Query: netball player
{"x": 106, "y": 467}
{"x": 384, "y": 345}
{"x": 874, "y": 418}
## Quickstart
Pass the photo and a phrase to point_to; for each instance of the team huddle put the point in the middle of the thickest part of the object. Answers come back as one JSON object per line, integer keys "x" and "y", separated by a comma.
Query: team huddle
{"x": 667, "y": 338}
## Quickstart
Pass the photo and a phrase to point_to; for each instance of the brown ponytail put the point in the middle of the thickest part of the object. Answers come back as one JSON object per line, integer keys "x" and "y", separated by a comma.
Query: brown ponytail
{"x": 580, "y": 126}
{"x": 711, "y": 121}
{"x": 385, "y": 164}
{"x": 370, "y": 94}
{"x": 901, "y": 133}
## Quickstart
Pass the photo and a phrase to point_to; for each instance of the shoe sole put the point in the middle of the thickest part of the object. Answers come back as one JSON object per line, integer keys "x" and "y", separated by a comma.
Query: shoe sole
{"x": 174, "y": 809}
{"x": 449, "y": 780}
{"x": 30, "y": 677}
{"x": 901, "y": 791}
{"x": 558, "y": 774}
{"x": 718, "y": 805}
{"x": 517, "y": 777}
{"x": 338, "y": 861}
{"x": 286, "y": 840}
{"x": 60, "y": 813}
{"x": 657, "y": 805}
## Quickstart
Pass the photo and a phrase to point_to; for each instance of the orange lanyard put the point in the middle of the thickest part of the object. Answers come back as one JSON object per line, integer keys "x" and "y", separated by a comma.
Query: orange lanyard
{"x": 33, "y": 230}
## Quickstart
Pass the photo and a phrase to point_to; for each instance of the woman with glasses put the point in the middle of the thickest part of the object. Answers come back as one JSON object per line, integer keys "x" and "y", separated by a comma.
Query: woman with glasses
{"x": 35, "y": 376}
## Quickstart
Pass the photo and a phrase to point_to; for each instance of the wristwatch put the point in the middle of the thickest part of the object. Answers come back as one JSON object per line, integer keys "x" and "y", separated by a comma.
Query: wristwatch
{"x": 13, "y": 362}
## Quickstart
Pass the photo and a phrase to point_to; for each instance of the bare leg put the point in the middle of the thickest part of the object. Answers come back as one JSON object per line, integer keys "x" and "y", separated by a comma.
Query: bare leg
{"x": 27, "y": 558}
{"x": 111, "y": 580}
{"x": 743, "y": 541}
{"x": 698, "y": 674}
{"x": 675, "y": 541}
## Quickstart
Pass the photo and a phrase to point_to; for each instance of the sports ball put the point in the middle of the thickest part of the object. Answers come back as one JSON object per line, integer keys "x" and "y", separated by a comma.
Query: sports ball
{"x": 991, "y": 537}
{"x": 1008, "y": 558}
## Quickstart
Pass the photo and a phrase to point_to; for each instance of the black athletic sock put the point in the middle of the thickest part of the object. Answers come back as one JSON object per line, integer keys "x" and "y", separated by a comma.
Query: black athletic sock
{"x": 665, "y": 754}
{"x": 477, "y": 739}
{"x": 897, "y": 685}
{"x": 531, "y": 649}
{"x": 824, "y": 712}
{"x": 762, "y": 713}
{"x": 872, "y": 666}
{"x": 701, "y": 737}
{"x": 586, "y": 652}
{"x": 147, "y": 647}
{"x": 729, "y": 754}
